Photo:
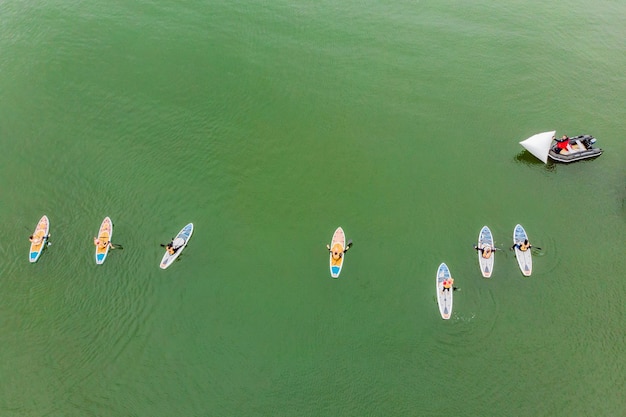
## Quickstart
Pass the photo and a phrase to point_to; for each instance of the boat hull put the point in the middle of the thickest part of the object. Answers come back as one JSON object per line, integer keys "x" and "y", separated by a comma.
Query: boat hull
{"x": 578, "y": 151}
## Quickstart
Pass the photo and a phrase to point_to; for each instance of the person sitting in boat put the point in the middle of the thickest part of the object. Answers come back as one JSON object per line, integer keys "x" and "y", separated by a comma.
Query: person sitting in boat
{"x": 524, "y": 246}
{"x": 447, "y": 284}
{"x": 485, "y": 251}
{"x": 562, "y": 144}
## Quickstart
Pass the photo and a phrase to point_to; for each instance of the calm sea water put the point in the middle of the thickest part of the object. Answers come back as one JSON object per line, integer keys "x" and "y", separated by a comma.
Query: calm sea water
{"x": 268, "y": 125}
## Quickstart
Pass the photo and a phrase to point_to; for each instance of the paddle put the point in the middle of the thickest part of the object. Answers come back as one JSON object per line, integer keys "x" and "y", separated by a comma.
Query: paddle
{"x": 493, "y": 248}
{"x": 531, "y": 247}
{"x": 348, "y": 246}
{"x": 164, "y": 246}
{"x": 168, "y": 245}
{"x": 502, "y": 251}
{"x": 46, "y": 238}
{"x": 114, "y": 245}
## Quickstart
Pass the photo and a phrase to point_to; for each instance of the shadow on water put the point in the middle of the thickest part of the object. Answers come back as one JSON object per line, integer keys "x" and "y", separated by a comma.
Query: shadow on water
{"x": 527, "y": 158}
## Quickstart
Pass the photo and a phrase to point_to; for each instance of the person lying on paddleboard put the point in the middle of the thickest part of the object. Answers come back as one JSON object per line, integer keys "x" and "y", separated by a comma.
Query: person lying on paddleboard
{"x": 447, "y": 284}
{"x": 523, "y": 246}
{"x": 37, "y": 238}
{"x": 102, "y": 243}
{"x": 485, "y": 251}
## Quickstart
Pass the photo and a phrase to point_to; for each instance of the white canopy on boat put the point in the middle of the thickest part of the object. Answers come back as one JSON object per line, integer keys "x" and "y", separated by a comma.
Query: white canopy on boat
{"x": 539, "y": 144}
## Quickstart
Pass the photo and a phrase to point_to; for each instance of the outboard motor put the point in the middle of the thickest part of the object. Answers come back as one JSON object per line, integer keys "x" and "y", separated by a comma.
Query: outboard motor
{"x": 588, "y": 141}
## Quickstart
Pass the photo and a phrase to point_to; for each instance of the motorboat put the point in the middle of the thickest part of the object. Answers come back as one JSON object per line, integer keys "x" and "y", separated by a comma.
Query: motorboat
{"x": 578, "y": 148}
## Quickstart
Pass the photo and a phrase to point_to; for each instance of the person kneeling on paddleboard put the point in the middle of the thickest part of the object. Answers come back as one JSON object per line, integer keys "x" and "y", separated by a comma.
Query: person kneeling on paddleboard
{"x": 485, "y": 251}
{"x": 447, "y": 284}
{"x": 523, "y": 247}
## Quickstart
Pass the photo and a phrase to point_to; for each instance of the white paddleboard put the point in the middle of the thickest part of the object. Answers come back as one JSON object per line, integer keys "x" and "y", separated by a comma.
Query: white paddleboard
{"x": 338, "y": 243}
{"x": 444, "y": 298}
{"x": 485, "y": 242}
{"x": 180, "y": 241}
{"x": 524, "y": 258}
{"x": 41, "y": 232}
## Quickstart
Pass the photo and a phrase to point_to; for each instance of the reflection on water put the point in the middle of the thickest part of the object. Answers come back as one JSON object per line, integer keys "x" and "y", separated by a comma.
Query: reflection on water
{"x": 527, "y": 158}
